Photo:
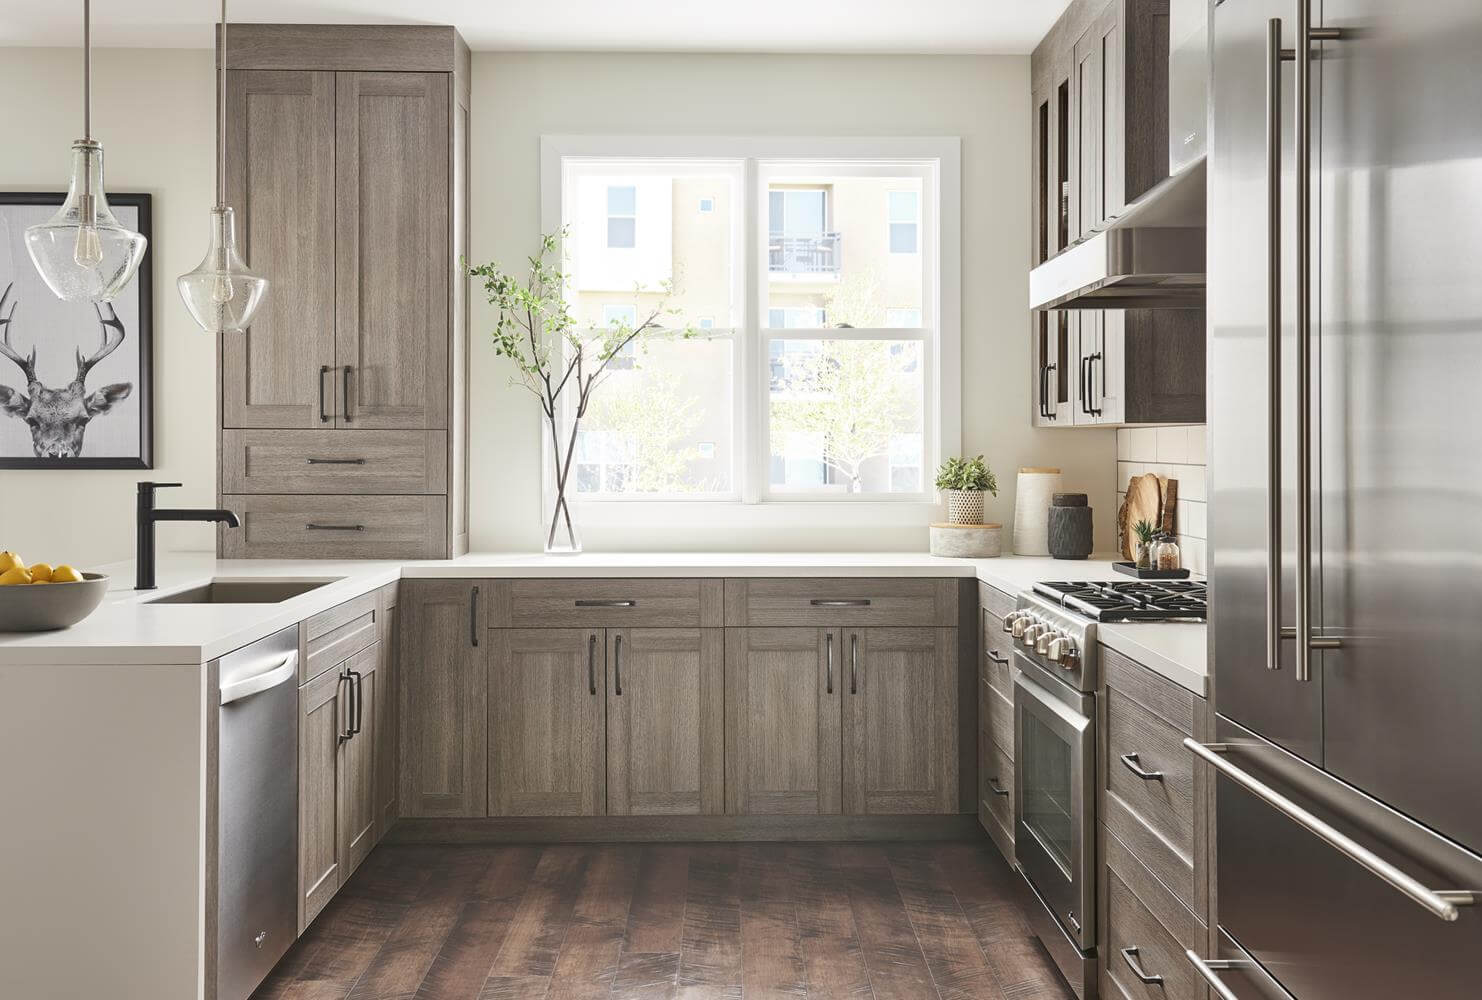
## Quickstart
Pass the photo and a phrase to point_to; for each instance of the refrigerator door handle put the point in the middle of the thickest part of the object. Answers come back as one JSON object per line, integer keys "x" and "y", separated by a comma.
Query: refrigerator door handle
{"x": 1273, "y": 343}
{"x": 1440, "y": 903}
{"x": 1209, "y": 969}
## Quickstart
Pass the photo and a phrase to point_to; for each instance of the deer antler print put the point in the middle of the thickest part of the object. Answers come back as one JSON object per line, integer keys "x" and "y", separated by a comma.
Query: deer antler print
{"x": 113, "y": 335}
{"x": 26, "y": 365}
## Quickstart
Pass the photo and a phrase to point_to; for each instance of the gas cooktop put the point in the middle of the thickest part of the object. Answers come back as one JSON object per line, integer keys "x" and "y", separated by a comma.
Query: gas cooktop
{"x": 1130, "y": 600}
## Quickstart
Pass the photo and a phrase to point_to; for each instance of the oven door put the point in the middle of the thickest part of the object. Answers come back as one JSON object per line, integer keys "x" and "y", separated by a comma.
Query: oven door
{"x": 1054, "y": 801}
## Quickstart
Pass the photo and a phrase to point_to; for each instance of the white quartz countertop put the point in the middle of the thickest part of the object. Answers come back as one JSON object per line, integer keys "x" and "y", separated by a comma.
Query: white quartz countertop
{"x": 127, "y": 630}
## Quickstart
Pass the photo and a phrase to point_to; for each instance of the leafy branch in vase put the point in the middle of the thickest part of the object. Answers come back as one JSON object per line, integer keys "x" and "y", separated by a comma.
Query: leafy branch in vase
{"x": 554, "y": 355}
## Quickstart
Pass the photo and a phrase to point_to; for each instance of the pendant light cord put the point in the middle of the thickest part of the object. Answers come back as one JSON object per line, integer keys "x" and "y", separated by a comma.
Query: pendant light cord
{"x": 87, "y": 69}
{"x": 221, "y": 118}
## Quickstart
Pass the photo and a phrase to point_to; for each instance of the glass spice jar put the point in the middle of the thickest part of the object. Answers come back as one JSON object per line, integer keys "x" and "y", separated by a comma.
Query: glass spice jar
{"x": 1166, "y": 554}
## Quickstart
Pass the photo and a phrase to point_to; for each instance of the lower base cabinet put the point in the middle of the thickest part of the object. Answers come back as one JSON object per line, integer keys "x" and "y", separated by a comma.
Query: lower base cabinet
{"x": 337, "y": 776}
{"x": 592, "y": 722}
{"x": 852, "y": 720}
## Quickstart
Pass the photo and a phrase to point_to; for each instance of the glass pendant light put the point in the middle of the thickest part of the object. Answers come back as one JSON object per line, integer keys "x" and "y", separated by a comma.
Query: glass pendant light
{"x": 222, "y": 294}
{"x": 84, "y": 253}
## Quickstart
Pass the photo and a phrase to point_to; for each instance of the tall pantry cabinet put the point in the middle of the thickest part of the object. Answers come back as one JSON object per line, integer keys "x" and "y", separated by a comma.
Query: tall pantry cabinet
{"x": 343, "y": 409}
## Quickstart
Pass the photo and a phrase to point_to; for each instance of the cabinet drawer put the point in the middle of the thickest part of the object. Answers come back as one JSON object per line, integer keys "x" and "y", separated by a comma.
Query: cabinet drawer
{"x": 994, "y": 601}
{"x": 1153, "y": 816}
{"x": 846, "y": 602}
{"x": 600, "y": 603}
{"x": 332, "y": 637}
{"x": 998, "y": 649}
{"x": 1132, "y": 923}
{"x": 336, "y": 527}
{"x": 333, "y": 462}
{"x": 996, "y": 717}
{"x": 996, "y": 775}
{"x": 998, "y": 669}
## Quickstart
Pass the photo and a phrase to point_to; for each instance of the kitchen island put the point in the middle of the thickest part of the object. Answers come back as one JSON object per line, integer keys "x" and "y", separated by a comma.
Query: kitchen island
{"x": 107, "y": 730}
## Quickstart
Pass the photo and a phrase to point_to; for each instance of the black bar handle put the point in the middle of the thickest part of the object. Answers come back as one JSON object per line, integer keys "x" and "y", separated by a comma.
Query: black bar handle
{"x": 336, "y": 461}
{"x": 357, "y": 685}
{"x": 473, "y": 616}
{"x": 617, "y": 664}
{"x": 1091, "y": 379}
{"x": 1044, "y": 382}
{"x": 349, "y": 730}
{"x": 854, "y": 664}
{"x": 311, "y": 526}
{"x": 592, "y": 664}
{"x": 828, "y": 661}
{"x": 583, "y": 603}
{"x": 840, "y": 602}
{"x": 1049, "y": 407}
{"x": 323, "y": 414}
{"x": 348, "y": 417}
{"x": 1082, "y": 365}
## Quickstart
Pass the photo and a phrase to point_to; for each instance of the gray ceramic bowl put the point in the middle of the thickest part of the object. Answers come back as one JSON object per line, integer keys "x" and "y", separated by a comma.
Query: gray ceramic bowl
{"x": 44, "y": 608}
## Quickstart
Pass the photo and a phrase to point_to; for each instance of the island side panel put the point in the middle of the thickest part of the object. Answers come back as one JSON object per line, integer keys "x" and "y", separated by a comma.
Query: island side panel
{"x": 102, "y": 776}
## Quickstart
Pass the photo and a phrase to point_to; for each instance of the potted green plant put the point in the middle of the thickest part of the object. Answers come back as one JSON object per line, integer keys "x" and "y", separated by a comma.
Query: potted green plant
{"x": 1143, "y": 549}
{"x": 965, "y": 481}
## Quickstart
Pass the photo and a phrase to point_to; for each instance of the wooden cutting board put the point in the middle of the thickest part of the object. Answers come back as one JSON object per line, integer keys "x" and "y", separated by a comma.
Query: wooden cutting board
{"x": 1149, "y": 498}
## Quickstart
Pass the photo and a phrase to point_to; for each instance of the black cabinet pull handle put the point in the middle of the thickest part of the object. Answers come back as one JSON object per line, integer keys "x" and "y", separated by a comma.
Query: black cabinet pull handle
{"x": 854, "y": 664}
{"x": 850, "y": 602}
{"x": 349, "y": 730}
{"x": 828, "y": 662}
{"x": 473, "y": 616}
{"x": 1129, "y": 761}
{"x": 1129, "y": 955}
{"x": 606, "y": 603}
{"x": 995, "y": 787}
{"x": 1083, "y": 364}
{"x": 346, "y": 370}
{"x": 617, "y": 664}
{"x": 336, "y": 461}
{"x": 357, "y": 687}
{"x": 1049, "y": 407}
{"x": 323, "y": 414}
{"x": 334, "y": 527}
{"x": 1091, "y": 380}
{"x": 997, "y": 658}
{"x": 592, "y": 664}
{"x": 1043, "y": 382}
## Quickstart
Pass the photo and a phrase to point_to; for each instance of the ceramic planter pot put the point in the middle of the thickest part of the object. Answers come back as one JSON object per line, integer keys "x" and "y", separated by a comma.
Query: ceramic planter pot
{"x": 964, "y": 506}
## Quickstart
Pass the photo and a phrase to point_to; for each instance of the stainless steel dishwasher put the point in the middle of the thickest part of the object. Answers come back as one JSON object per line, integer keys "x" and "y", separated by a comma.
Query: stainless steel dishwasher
{"x": 257, "y": 810}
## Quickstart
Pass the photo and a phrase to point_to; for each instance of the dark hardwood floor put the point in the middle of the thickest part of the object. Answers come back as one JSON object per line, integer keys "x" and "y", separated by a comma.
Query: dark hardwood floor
{"x": 897, "y": 921}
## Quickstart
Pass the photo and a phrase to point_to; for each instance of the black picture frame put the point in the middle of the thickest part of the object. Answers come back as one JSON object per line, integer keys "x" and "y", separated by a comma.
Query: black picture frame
{"x": 143, "y": 203}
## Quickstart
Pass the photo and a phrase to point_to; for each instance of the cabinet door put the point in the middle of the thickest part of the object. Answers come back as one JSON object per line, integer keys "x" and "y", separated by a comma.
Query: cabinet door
{"x": 442, "y": 699}
{"x": 358, "y": 771}
{"x": 1089, "y": 356}
{"x": 281, "y": 181}
{"x": 1087, "y": 169}
{"x": 665, "y": 721}
{"x": 547, "y": 722}
{"x": 394, "y": 257}
{"x": 783, "y": 702}
{"x": 900, "y": 721}
{"x": 1054, "y": 342}
{"x": 321, "y": 733}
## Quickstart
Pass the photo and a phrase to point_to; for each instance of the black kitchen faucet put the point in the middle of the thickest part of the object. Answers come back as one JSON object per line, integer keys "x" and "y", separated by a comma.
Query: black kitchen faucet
{"x": 148, "y": 515}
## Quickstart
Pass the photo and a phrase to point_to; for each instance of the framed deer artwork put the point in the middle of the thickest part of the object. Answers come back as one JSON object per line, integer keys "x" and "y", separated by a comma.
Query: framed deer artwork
{"x": 75, "y": 377}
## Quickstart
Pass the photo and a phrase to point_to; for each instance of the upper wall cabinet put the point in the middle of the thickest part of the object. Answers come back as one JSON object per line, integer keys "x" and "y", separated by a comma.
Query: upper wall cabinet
{"x": 347, "y": 149}
{"x": 1099, "y": 111}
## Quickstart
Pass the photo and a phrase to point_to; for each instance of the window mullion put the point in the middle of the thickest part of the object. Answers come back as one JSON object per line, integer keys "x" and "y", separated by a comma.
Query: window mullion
{"x": 751, "y": 421}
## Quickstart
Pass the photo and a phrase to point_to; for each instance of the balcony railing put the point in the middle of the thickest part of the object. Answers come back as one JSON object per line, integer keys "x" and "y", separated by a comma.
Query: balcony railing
{"x": 821, "y": 254}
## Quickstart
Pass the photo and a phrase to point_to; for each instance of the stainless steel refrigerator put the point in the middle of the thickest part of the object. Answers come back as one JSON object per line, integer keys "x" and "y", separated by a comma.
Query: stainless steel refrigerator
{"x": 1345, "y": 360}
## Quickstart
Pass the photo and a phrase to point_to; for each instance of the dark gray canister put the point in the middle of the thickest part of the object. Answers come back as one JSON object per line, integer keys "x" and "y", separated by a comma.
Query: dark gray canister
{"x": 1070, "y": 526}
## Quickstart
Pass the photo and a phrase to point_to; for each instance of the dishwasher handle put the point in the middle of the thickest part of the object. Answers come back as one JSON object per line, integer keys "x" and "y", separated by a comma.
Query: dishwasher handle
{"x": 270, "y": 678}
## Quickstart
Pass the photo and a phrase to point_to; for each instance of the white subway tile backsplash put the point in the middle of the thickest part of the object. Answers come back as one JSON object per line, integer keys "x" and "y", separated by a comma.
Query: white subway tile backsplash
{"x": 1191, "y": 484}
{"x": 1124, "y": 444}
{"x": 1144, "y": 444}
{"x": 1197, "y": 450}
{"x": 1172, "y": 444}
{"x": 1198, "y": 520}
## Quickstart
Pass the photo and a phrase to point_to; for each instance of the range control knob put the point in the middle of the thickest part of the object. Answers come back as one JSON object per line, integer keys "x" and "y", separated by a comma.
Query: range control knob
{"x": 1063, "y": 652}
{"x": 1022, "y": 622}
{"x": 1010, "y": 619}
{"x": 1032, "y": 634}
{"x": 1044, "y": 639}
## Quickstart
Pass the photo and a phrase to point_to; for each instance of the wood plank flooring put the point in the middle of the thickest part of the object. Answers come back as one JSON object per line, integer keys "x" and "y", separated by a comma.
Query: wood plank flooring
{"x": 859, "y": 921}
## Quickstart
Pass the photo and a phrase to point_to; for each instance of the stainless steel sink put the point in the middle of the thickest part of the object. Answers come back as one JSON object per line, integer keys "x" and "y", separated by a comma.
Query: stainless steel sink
{"x": 242, "y": 592}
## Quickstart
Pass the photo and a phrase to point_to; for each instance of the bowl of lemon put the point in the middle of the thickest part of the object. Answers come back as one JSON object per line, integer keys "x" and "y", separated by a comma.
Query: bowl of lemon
{"x": 41, "y": 597}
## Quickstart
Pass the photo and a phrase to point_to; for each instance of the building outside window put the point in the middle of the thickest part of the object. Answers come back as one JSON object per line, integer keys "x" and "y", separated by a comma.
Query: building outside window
{"x": 816, "y": 375}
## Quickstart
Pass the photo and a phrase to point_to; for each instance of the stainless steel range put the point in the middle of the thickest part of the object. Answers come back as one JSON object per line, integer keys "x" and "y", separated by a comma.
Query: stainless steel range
{"x": 1055, "y": 653}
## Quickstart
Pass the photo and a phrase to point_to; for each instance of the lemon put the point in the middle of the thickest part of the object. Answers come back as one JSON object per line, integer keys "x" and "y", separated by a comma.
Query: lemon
{"x": 14, "y": 576}
{"x": 41, "y": 573}
{"x": 65, "y": 574}
{"x": 9, "y": 560}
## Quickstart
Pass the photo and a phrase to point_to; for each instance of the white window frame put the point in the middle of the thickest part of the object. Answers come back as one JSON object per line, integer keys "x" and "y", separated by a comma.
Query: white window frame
{"x": 610, "y": 215}
{"x": 917, "y": 222}
{"x": 938, "y": 161}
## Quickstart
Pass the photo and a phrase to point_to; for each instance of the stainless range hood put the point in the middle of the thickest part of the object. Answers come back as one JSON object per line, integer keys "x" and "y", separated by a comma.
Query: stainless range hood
{"x": 1152, "y": 255}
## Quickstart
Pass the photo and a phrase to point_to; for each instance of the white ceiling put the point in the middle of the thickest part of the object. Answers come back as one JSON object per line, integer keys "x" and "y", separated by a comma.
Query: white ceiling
{"x": 931, "y": 26}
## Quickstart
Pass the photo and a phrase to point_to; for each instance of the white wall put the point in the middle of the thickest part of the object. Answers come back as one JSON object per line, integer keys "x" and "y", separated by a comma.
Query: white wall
{"x": 984, "y": 100}
{"x": 153, "y": 112}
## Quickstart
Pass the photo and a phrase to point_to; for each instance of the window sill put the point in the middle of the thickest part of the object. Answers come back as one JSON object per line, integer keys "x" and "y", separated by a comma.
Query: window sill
{"x": 732, "y": 514}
